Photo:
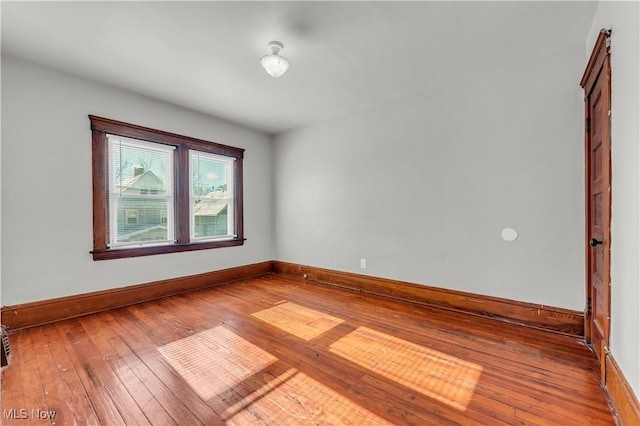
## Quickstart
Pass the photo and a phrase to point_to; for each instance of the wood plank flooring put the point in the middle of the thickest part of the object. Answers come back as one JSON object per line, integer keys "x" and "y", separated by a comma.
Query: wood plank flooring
{"x": 280, "y": 351}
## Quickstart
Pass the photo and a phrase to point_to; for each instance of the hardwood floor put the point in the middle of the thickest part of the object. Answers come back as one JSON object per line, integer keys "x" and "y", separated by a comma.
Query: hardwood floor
{"x": 279, "y": 351}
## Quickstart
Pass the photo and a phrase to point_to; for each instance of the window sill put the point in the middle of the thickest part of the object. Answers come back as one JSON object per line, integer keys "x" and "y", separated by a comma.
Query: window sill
{"x": 121, "y": 253}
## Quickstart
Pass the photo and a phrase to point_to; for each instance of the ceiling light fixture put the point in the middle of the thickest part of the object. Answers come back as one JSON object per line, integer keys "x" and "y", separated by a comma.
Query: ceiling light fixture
{"x": 275, "y": 64}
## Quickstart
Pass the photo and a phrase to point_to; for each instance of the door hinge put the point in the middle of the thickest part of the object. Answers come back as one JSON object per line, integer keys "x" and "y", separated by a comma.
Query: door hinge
{"x": 607, "y": 34}
{"x": 588, "y": 306}
{"x": 587, "y": 124}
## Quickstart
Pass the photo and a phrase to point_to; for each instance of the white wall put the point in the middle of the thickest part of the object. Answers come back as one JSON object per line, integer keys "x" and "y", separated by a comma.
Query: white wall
{"x": 46, "y": 186}
{"x": 623, "y": 19}
{"x": 423, "y": 187}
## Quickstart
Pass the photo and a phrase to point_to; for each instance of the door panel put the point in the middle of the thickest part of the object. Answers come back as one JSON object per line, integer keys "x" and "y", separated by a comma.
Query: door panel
{"x": 596, "y": 83}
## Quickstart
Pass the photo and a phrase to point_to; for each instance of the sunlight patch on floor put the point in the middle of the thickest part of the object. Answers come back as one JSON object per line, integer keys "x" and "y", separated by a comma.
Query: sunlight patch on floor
{"x": 300, "y": 321}
{"x": 213, "y": 360}
{"x": 293, "y": 398}
{"x": 435, "y": 374}
{"x": 250, "y": 386}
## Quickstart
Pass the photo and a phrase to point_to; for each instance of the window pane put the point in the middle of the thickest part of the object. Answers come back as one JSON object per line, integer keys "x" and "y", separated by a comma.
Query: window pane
{"x": 211, "y": 196}
{"x": 146, "y": 225}
{"x": 141, "y": 197}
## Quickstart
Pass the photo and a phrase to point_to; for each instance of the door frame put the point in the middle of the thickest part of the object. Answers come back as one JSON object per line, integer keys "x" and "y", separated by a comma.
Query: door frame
{"x": 599, "y": 65}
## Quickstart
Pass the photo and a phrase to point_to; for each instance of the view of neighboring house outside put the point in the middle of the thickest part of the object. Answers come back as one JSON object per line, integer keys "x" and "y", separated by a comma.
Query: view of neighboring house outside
{"x": 211, "y": 176}
{"x": 142, "y": 200}
{"x": 143, "y": 218}
{"x": 140, "y": 217}
{"x": 210, "y": 213}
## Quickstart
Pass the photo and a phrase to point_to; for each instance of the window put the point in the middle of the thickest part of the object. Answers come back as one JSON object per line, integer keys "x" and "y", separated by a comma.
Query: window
{"x": 140, "y": 192}
{"x": 156, "y": 192}
{"x": 211, "y": 196}
{"x": 132, "y": 216}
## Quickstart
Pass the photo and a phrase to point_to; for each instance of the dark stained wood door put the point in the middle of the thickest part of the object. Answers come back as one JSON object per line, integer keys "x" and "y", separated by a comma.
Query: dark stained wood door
{"x": 597, "y": 85}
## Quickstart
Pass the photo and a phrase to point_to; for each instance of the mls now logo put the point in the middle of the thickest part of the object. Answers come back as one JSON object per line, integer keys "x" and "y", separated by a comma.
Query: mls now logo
{"x": 43, "y": 414}
{"x": 23, "y": 414}
{"x": 15, "y": 414}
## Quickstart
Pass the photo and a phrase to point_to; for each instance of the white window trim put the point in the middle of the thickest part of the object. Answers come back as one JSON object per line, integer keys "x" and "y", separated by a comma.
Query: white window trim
{"x": 114, "y": 195}
{"x": 230, "y": 161}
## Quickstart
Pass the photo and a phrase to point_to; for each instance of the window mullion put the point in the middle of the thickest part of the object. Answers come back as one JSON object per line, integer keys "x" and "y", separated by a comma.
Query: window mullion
{"x": 182, "y": 195}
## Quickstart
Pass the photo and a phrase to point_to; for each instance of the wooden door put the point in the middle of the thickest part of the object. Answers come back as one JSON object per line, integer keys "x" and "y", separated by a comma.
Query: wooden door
{"x": 597, "y": 86}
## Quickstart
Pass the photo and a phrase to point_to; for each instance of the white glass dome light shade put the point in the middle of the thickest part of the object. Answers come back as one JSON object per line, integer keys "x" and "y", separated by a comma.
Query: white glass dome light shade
{"x": 274, "y": 64}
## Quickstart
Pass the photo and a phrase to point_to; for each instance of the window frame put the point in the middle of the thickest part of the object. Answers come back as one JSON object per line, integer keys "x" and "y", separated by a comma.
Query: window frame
{"x": 114, "y": 197}
{"x": 192, "y": 197}
{"x": 100, "y": 127}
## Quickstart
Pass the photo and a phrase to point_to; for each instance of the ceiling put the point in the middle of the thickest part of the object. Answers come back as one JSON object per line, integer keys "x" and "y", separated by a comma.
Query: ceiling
{"x": 345, "y": 56}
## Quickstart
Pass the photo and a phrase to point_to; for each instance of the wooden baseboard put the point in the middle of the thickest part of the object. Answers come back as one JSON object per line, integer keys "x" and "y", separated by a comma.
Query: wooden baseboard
{"x": 42, "y": 312}
{"x": 552, "y": 319}
{"x": 557, "y": 320}
{"x": 625, "y": 403}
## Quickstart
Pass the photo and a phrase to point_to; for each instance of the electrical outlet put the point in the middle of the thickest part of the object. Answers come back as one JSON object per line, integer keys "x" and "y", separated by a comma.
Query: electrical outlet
{"x": 363, "y": 263}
